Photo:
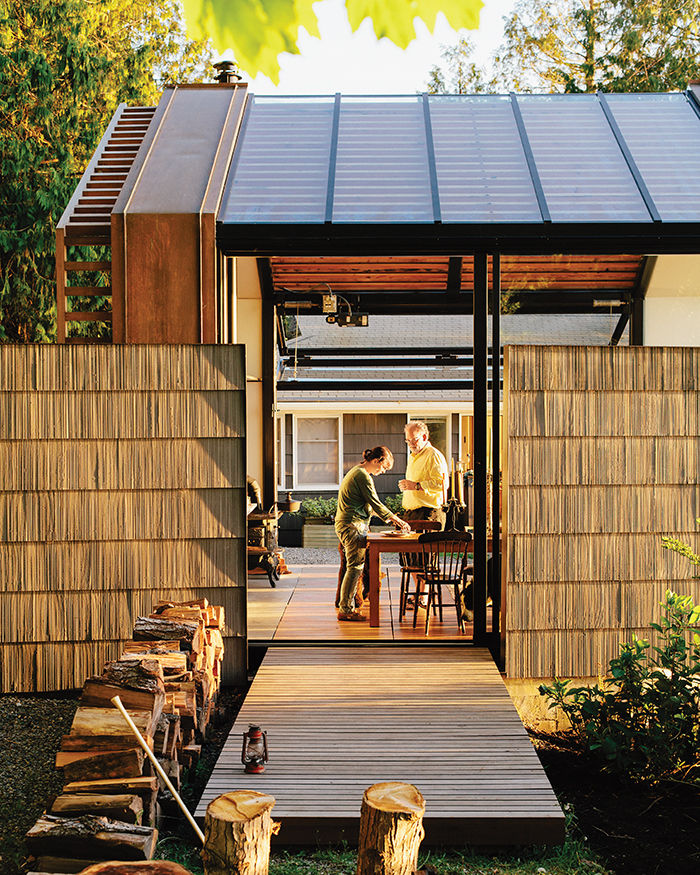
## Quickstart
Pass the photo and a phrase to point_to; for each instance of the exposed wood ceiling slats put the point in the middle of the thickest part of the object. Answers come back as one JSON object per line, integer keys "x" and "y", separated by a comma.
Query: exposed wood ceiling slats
{"x": 518, "y": 273}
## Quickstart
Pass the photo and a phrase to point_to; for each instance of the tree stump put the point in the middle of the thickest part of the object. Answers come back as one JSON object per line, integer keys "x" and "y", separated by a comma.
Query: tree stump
{"x": 238, "y": 827}
{"x": 391, "y": 829}
{"x": 152, "y": 867}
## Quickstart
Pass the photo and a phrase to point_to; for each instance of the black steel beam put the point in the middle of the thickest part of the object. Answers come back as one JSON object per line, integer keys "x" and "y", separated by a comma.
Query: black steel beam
{"x": 332, "y": 159}
{"x": 495, "y": 581}
{"x": 312, "y": 385}
{"x": 432, "y": 351}
{"x": 454, "y": 274}
{"x": 619, "y": 329}
{"x": 525, "y": 238}
{"x": 627, "y": 155}
{"x": 480, "y": 412}
{"x": 430, "y": 150}
{"x": 530, "y": 159}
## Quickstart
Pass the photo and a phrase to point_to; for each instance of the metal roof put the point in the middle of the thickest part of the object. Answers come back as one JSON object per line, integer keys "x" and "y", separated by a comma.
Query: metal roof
{"x": 525, "y": 173}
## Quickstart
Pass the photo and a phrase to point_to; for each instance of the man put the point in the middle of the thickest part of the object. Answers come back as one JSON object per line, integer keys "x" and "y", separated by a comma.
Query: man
{"x": 425, "y": 487}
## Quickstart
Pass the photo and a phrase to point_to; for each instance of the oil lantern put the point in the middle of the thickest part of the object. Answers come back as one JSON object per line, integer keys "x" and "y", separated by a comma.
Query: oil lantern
{"x": 254, "y": 750}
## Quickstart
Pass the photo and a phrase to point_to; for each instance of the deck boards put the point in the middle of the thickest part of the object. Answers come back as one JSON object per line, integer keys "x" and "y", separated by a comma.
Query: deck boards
{"x": 309, "y": 615}
{"x": 341, "y": 718}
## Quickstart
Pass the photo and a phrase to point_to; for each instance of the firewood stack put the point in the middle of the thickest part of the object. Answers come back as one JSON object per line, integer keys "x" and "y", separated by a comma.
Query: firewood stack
{"x": 168, "y": 680}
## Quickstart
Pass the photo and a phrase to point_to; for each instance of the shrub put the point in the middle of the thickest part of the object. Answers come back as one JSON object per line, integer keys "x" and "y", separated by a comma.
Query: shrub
{"x": 393, "y": 502}
{"x": 320, "y": 508}
{"x": 644, "y": 718}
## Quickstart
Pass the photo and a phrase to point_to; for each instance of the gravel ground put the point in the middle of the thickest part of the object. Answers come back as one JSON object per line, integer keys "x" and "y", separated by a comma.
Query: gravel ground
{"x": 30, "y": 733}
{"x": 295, "y": 556}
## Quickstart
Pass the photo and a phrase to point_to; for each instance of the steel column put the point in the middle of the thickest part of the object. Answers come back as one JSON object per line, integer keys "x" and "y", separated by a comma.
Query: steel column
{"x": 495, "y": 576}
{"x": 480, "y": 399}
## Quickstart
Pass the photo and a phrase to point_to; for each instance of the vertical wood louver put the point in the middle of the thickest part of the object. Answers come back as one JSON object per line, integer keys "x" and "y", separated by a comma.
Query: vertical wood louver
{"x": 86, "y": 221}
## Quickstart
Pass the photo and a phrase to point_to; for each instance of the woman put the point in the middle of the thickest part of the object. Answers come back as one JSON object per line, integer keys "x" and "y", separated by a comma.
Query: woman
{"x": 357, "y": 502}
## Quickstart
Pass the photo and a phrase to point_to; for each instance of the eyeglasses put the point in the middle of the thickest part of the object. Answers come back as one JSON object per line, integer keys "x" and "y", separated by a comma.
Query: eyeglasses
{"x": 415, "y": 440}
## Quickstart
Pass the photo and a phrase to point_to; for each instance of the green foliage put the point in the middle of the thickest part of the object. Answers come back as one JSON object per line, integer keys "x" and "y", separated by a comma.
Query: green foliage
{"x": 320, "y": 508}
{"x": 682, "y": 549}
{"x": 607, "y": 45}
{"x": 460, "y": 74}
{"x": 393, "y": 502}
{"x": 644, "y": 721}
{"x": 259, "y": 30}
{"x": 569, "y": 46}
{"x": 65, "y": 65}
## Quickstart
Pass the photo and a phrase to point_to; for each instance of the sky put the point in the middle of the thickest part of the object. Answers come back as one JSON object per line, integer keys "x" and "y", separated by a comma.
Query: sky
{"x": 358, "y": 63}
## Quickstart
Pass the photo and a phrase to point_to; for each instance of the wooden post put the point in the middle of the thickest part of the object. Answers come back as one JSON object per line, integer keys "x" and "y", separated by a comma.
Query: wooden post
{"x": 237, "y": 828}
{"x": 391, "y": 829}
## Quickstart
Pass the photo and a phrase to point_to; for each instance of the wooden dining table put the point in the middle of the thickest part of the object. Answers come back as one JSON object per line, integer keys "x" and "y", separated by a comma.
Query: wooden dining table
{"x": 386, "y": 542}
{"x": 378, "y": 543}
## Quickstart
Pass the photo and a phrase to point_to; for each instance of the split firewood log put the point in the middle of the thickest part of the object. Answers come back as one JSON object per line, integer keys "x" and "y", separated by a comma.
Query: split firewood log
{"x": 145, "y": 787}
{"x": 218, "y": 618}
{"x": 125, "y": 807}
{"x": 188, "y": 633}
{"x": 91, "y": 837}
{"x": 147, "y": 647}
{"x": 152, "y": 867}
{"x": 108, "y": 721}
{"x": 173, "y": 662}
{"x": 96, "y": 765}
{"x": 391, "y": 829}
{"x": 237, "y": 828}
{"x": 137, "y": 682}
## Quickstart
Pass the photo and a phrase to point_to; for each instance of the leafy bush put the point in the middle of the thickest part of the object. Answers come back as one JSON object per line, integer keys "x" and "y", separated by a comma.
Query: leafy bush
{"x": 320, "y": 508}
{"x": 644, "y": 721}
{"x": 393, "y": 502}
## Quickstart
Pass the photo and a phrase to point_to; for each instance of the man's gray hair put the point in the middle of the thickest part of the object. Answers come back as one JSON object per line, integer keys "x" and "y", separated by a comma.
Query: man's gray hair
{"x": 416, "y": 425}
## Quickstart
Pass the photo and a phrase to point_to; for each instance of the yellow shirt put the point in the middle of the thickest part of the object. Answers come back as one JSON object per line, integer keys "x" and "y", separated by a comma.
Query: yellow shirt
{"x": 429, "y": 468}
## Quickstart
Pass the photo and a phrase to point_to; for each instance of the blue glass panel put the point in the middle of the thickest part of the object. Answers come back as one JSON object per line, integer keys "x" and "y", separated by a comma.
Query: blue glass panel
{"x": 382, "y": 167}
{"x": 281, "y": 168}
{"x": 584, "y": 174}
{"x": 663, "y": 134}
{"x": 481, "y": 167}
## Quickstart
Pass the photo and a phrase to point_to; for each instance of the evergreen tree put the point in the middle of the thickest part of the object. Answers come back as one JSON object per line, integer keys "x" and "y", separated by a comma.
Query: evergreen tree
{"x": 589, "y": 45}
{"x": 65, "y": 65}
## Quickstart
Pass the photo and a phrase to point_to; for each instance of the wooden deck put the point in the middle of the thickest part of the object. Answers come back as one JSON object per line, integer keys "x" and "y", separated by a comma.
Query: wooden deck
{"x": 301, "y": 609}
{"x": 342, "y": 718}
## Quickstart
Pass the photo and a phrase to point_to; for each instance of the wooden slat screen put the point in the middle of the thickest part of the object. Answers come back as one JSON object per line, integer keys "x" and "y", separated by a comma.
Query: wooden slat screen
{"x": 122, "y": 482}
{"x": 603, "y": 458}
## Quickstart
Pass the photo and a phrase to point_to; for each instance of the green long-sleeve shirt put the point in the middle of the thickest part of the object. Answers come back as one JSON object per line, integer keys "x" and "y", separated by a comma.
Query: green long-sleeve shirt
{"x": 358, "y": 499}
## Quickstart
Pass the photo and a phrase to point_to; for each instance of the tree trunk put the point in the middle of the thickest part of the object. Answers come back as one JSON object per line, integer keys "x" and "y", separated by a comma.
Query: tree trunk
{"x": 238, "y": 827}
{"x": 391, "y": 829}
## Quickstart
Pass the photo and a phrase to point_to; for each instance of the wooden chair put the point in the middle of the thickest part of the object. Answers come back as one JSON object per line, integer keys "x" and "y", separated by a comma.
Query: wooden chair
{"x": 444, "y": 563}
{"x": 411, "y": 564}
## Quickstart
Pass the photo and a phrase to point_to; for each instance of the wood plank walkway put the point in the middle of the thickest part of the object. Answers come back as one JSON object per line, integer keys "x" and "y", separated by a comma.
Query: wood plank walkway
{"x": 307, "y": 613}
{"x": 342, "y": 718}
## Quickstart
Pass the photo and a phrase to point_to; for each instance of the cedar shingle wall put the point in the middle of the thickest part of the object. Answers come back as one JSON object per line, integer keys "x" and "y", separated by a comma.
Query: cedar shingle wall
{"x": 122, "y": 482}
{"x": 603, "y": 459}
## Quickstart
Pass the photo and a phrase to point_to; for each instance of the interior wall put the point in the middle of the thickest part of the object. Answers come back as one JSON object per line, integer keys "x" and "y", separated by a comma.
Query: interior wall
{"x": 247, "y": 330}
{"x": 603, "y": 458}
{"x": 672, "y": 302}
{"x": 122, "y": 484}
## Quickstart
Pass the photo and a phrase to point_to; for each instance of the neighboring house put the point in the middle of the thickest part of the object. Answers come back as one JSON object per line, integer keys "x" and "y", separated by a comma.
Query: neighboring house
{"x": 323, "y": 427}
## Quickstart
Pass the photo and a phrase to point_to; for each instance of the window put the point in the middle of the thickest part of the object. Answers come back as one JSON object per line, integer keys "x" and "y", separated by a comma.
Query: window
{"x": 437, "y": 427}
{"x": 318, "y": 452}
{"x": 279, "y": 434}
